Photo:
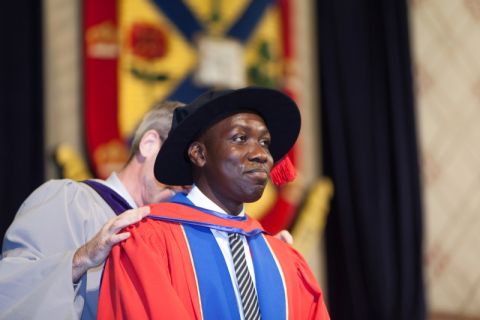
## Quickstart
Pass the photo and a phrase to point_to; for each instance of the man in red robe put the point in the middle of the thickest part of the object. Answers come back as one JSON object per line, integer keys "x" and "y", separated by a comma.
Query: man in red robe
{"x": 200, "y": 256}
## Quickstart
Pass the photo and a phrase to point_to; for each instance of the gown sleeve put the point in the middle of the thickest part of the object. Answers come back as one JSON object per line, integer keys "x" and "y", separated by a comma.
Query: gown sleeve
{"x": 36, "y": 262}
{"x": 137, "y": 282}
{"x": 305, "y": 297}
{"x": 311, "y": 290}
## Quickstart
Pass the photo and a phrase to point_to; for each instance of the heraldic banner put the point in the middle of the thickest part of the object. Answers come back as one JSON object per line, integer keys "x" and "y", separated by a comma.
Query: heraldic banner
{"x": 140, "y": 52}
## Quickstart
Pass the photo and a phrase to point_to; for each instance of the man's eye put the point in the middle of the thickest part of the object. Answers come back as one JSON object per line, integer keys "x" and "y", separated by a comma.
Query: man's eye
{"x": 239, "y": 138}
{"x": 265, "y": 142}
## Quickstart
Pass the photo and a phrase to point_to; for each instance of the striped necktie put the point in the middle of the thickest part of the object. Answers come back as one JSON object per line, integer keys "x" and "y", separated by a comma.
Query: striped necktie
{"x": 248, "y": 294}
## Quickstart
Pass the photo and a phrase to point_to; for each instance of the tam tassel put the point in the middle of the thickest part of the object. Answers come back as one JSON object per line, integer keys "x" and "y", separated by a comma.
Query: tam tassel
{"x": 283, "y": 171}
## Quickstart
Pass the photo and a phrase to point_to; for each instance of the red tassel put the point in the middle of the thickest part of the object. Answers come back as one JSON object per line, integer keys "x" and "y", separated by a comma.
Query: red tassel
{"x": 283, "y": 171}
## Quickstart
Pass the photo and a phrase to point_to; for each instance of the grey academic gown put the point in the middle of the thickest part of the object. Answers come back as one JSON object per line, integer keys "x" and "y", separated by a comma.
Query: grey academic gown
{"x": 36, "y": 263}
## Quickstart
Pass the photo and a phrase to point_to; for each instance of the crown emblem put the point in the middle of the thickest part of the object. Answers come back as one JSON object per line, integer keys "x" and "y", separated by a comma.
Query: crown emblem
{"x": 110, "y": 157}
{"x": 101, "y": 41}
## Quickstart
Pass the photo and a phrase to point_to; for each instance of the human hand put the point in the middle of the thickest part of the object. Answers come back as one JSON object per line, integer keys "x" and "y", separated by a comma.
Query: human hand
{"x": 284, "y": 236}
{"x": 97, "y": 249}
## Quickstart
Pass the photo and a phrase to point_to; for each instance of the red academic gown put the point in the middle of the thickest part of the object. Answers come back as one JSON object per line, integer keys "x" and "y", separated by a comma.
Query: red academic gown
{"x": 171, "y": 268}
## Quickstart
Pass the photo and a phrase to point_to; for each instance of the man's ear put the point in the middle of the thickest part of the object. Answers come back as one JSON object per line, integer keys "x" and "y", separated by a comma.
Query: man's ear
{"x": 196, "y": 153}
{"x": 149, "y": 144}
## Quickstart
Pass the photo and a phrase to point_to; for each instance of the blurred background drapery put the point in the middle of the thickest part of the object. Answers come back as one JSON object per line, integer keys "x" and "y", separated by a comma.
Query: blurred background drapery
{"x": 374, "y": 231}
{"x": 21, "y": 104}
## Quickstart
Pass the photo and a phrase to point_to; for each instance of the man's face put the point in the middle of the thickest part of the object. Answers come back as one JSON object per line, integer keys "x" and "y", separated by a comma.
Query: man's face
{"x": 237, "y": 159}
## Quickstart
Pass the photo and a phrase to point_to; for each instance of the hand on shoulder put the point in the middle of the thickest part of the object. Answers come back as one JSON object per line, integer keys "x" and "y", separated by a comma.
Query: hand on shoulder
{"x": 96, "y": 250}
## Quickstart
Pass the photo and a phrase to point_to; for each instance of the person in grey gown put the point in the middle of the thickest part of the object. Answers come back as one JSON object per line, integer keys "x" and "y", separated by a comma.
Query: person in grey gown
{"x": 53, "y": 252}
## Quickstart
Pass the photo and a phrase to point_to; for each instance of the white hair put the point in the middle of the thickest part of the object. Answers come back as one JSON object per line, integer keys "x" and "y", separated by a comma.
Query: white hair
{"x": 159, "y": 118}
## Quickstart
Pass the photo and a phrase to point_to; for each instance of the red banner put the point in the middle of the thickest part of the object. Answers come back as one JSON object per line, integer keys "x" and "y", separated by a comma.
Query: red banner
{"x": 106, "y": 148}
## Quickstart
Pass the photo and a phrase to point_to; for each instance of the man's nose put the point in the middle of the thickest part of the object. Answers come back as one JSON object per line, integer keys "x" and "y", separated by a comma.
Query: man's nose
{"x": 259, "y": 153}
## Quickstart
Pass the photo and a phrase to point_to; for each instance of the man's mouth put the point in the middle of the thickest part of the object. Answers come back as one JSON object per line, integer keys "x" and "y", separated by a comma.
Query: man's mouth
{"x": 260, "y": 174}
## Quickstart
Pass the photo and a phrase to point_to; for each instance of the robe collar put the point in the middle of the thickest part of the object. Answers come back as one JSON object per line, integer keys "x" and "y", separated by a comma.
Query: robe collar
{"x": 181, "y": 210}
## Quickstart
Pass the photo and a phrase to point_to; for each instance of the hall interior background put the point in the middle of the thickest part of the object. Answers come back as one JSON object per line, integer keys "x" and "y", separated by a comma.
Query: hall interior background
{"x": 445, "y": 41}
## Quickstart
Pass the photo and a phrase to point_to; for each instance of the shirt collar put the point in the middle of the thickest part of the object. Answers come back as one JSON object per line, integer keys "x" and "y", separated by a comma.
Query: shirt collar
{"x": 201, "y": 200}
{"x": 116, "y": 184}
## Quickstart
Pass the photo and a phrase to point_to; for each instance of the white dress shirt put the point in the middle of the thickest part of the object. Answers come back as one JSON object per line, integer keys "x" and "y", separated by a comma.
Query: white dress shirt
{"x": 201, "y": 200}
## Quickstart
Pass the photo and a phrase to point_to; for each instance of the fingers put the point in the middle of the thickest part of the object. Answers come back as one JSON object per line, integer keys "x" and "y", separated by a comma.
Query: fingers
{"x": 144, "y": 211}
{"x": 96, "y": 250}
{"x": 285, "y": 236}
{"x": 127, "y": 218}
{"x": 119, "y": 237}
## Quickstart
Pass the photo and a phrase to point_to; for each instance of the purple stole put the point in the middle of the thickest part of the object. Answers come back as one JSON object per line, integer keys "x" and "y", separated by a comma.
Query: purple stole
{"x": 112, "y": 198}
